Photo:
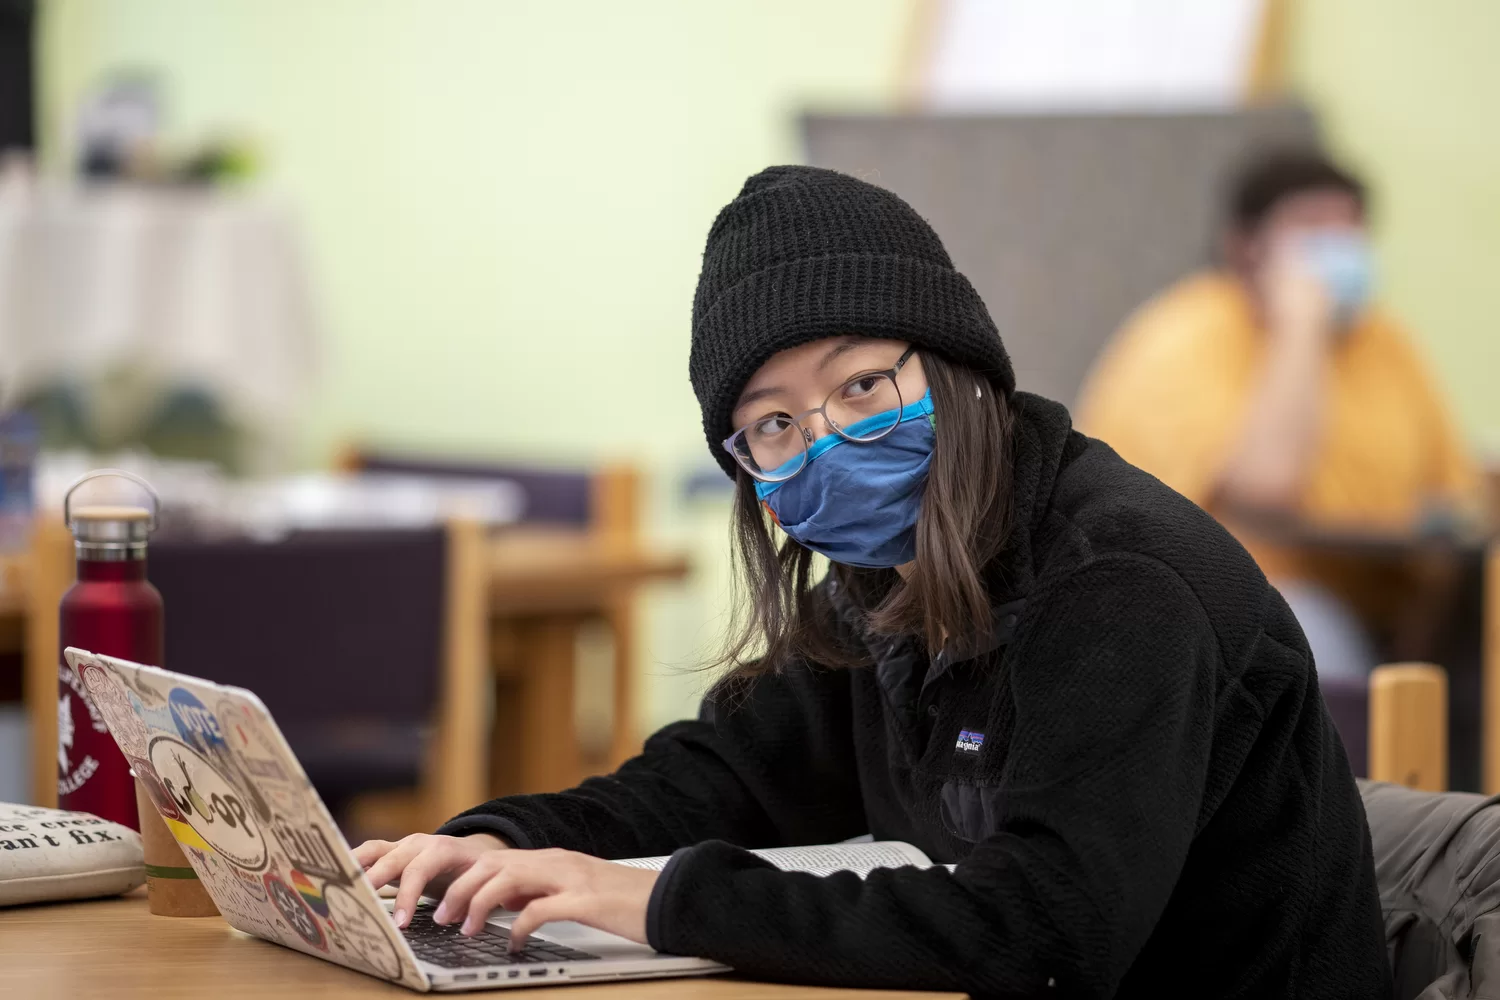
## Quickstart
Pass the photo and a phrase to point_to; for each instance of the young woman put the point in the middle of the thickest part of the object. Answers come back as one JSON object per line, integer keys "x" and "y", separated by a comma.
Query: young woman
{"x": 1026, "y": 657}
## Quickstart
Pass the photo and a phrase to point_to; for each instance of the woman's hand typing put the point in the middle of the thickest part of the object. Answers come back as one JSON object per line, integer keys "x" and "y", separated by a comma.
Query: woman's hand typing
{"x": 422, "y": 863}
{"x": 478, "y": 873}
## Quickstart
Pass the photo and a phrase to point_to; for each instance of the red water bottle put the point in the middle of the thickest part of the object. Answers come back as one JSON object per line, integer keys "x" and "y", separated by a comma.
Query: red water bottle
{"x": 111, "y": 609}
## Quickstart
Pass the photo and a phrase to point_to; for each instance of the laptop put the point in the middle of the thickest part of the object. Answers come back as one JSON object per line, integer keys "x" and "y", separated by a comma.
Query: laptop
{"x": 262, "y": 842}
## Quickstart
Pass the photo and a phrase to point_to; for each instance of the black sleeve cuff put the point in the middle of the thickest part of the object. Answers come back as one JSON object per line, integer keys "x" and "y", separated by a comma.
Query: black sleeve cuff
{"x": 654, "y": 933}
{"x": 462, "y": 826}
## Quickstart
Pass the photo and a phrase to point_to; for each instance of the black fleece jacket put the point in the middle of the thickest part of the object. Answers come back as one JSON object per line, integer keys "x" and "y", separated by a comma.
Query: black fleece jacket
{"x": 1156, "y": 804}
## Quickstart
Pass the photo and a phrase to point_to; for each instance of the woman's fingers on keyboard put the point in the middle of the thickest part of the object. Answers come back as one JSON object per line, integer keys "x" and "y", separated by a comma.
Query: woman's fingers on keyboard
{"x": 513, "y": 889}
{"x": 544, "y": 910}
{"x": 371, "y": 851}
{"x": 549, "y": 885}
{"x": 455, "y": 901}
{"x": 390, "y": 864}
{"x": 433, "y": 860}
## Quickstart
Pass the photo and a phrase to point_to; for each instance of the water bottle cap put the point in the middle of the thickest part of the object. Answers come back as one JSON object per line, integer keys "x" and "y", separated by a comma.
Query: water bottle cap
{"x": 111, "y": 531}
{"x": 111, "y": 523}
{"x": 111, "y": 512}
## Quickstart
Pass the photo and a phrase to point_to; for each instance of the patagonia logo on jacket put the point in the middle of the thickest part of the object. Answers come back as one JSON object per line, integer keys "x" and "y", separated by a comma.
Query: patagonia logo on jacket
{"x": 969, "y": 741}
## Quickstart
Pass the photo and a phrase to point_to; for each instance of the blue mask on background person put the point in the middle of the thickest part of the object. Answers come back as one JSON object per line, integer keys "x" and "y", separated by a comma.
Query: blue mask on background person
{"x": 857, "y": 503}
{"x": 1345, "y": 264}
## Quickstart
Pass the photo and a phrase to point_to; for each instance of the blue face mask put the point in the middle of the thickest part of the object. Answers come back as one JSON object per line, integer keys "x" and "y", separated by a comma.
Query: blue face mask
{"x": 857, "y": 503}
{"x": 1345, "y": 265}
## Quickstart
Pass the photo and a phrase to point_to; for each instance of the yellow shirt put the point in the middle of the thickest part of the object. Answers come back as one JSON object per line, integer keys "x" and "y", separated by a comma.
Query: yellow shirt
{"x": 1171, "y": 391}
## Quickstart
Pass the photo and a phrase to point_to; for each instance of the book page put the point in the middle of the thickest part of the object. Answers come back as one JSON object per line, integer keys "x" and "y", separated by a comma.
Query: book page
{"x": 859, "y": 857}
{"x": 825, "y": 859}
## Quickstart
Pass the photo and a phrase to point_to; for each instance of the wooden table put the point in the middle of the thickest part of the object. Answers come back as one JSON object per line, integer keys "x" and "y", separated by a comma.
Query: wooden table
{"x": 115, "y": 948}
{"x": 544, "y": 585}
{"x": 531, "y": 572}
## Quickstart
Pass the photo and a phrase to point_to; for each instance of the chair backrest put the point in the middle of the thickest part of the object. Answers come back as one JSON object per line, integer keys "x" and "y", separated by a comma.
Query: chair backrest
{"x": 1409, "y": 725}
{"x": 1395, "y": 727}
{"x": 339, "y": 632}
{"x": 552, "y": 496}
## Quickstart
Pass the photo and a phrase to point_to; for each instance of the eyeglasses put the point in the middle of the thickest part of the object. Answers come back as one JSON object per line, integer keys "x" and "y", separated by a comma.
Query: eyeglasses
{"x": 865, "y": 408}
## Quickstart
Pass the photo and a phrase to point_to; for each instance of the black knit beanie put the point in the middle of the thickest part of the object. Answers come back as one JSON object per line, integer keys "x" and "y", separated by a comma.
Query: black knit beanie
{"x": 804, "y": 253}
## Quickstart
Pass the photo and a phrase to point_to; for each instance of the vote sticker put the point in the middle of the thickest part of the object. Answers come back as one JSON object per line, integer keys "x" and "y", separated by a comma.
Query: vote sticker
{"x": 212, "y": 806}
{"x": 195, "y": 723}
{"x": 295, "y": 911}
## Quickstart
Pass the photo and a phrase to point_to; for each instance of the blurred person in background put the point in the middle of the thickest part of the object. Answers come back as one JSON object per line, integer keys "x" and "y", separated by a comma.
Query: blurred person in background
{"x": 1274, "y": 395}
{"x": 1026, "y": 658}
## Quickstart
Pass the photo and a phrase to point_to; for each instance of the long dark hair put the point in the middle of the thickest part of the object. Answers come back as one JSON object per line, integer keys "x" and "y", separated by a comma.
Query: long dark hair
{"x": 963, "y": 526}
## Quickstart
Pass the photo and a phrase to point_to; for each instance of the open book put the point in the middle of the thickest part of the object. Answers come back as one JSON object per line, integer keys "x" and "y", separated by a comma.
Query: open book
{"x": 825, "y": 859}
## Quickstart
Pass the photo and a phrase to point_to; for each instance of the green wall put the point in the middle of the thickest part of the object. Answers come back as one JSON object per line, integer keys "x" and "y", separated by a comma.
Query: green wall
{"x": 505, "y": 205}
{"x": 1408, "y": 92}
{"x": 505, "y": 201}
{"x": 502, "y": 199}
{"x": 503, "y": 196}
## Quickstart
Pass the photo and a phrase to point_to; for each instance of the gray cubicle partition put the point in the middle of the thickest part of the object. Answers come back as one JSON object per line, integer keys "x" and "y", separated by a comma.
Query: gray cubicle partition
{"x": 1065, "y": 223}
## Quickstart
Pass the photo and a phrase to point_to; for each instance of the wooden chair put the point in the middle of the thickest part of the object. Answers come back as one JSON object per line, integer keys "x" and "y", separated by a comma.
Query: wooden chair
{"x": 452, "y": 768}
{"x": 1409, "y": 726}
{"x": 1395, "y": 728}
{"x": 534, "y": 644}
{"x": 368, "y": 646}
{"x": 455, "y": 771}
{"x": 50, "y": 567}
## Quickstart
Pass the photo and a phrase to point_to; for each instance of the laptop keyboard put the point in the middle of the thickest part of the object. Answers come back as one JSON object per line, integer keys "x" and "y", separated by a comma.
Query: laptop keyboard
{"x": 442, "y": 944}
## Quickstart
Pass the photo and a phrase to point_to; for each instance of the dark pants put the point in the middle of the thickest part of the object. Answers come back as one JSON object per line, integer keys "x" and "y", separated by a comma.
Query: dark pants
{"x": 1437, "y": 861}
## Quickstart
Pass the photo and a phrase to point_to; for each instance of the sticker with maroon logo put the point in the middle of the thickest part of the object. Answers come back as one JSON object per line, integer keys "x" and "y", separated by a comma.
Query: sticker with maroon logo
{"x": 296, "y": 912}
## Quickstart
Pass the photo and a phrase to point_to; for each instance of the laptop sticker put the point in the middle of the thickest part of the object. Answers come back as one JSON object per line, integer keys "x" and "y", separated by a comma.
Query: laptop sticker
{"x": 240, "y": 897}
{"x": 246, "y": 816}
{"x": 310, "y": 893}
{"x": 152, "y": 710}
{"x": 296, "y": 912}
{"x": 261, "y": 767}
{"x": 112, "y": 701}
{"x": 195, "y": 723}
{"x": 362, "y": 933}
{"x": 306, "y": 846}
{"x": 155, "y": 790}
{"x": 214, "y": 809}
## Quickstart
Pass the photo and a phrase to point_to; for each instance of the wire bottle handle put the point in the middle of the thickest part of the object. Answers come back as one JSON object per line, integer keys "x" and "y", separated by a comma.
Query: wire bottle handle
{"x": 155, "y": 508}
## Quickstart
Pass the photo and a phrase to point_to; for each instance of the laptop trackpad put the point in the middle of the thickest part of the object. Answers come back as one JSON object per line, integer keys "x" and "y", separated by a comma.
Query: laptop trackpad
{"x": 576, "y": 935}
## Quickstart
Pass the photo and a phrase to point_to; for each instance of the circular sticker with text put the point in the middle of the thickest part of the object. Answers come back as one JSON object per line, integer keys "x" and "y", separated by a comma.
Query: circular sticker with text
{"x": 295, "y": 911}
{"x": 211, "y": 805}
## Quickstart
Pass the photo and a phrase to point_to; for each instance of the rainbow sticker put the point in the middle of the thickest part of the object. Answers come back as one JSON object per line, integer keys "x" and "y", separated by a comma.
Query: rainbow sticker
{"x": 309, "y": 893}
